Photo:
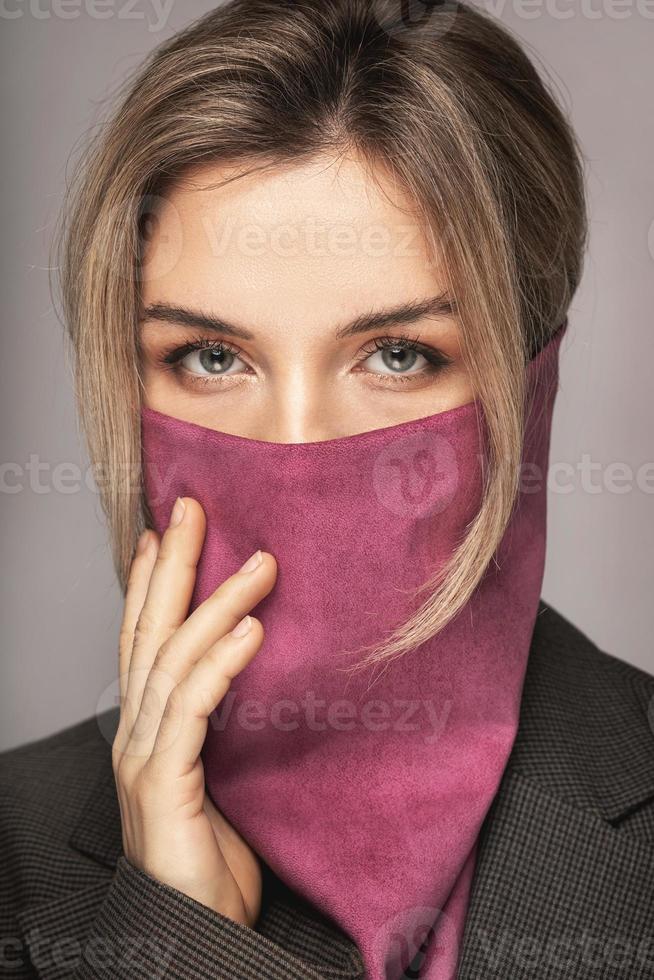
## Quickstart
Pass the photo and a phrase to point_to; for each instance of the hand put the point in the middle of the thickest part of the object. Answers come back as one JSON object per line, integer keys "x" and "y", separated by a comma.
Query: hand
{"x": 174, "y": 670}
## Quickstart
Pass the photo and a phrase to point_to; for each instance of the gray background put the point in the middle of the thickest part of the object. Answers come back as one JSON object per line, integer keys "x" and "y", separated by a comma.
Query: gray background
{"x": 60, "y": 604}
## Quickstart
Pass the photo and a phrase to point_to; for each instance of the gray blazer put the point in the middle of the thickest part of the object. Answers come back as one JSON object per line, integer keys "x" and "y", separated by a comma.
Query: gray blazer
{"x": 563, "y": 888}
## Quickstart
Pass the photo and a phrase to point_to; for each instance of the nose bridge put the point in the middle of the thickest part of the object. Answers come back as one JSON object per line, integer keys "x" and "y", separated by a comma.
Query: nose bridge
{"x": 297, "y": 406}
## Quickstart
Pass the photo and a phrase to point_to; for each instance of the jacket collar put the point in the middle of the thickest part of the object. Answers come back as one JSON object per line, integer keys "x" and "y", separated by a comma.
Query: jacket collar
{"x": 572, "y": 740}
{"x": 566, "y": 776}
{"x": 583, "y": 714}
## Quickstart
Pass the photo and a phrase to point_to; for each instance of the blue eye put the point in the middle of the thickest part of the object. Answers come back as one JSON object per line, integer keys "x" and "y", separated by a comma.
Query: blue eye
{"x": 398, "y": 360}
{"x": 206, "y": 358}
{"x": 211, "y": 361}
{"x": 390, "y": 357}
{"x": 401, "y": 356}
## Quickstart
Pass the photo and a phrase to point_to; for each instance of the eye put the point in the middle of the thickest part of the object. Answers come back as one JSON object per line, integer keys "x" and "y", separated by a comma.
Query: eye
{"x": 210, "y": 361}
{"x": 206, "y": 358}
{"x": 401, "y": 356}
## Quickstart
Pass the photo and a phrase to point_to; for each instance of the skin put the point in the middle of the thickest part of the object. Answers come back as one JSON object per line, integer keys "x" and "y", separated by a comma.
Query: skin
{"x": 295, "y": 375}
{"x": 229, "y": 252}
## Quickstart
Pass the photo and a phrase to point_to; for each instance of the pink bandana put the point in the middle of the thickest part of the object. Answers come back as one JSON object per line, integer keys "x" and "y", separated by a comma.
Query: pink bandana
{"x": 365, "y": 792}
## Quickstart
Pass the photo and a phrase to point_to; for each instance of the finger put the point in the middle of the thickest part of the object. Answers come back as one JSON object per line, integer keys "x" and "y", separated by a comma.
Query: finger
{"x": 184, "y": 722}
{"x": 216, "y": 616}
{"x": 168, "y": 595}
{"x": 137, "y": 587}
{"x": 212, "y": 620}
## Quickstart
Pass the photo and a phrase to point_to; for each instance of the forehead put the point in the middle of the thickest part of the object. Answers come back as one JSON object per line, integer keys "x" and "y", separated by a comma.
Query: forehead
{"x": 302, "y": 240}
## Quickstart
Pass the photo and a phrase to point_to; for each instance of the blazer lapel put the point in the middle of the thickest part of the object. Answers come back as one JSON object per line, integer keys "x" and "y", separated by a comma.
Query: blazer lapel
{"x": 56, "y": 930}
{"x": 562, "y": 888}
{"x": 559, "y": 890}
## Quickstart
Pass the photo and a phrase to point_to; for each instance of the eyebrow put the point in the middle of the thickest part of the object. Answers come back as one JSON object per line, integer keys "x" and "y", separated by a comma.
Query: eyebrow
{"x": 440, "y": 305}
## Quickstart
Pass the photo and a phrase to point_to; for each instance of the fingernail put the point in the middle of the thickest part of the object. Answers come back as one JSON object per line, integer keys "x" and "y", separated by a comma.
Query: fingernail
{"x": 243, "y": 626}
{"x": 177, "y": 512}
{"x": 253, "y": 562}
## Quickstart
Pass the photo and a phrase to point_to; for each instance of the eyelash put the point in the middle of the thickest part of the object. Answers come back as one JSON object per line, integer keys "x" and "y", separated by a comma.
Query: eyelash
{"x": 175, "y": 354}
{"x": 436, "y": 359}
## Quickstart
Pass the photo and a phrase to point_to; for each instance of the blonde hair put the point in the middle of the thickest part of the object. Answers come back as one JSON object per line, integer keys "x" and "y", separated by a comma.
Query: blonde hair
{"x": 450, "y": 105}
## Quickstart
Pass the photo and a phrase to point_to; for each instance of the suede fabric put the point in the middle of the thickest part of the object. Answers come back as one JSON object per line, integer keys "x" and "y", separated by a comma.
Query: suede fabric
{"x": 365, "y": 792}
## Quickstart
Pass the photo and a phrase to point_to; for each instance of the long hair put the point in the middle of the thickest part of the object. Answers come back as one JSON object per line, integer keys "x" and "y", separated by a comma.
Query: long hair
{"x": 446, "y": 102}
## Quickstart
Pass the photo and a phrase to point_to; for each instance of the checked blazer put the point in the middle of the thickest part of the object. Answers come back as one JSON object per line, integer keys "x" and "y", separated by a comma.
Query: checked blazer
{"x": 563, "y": 887}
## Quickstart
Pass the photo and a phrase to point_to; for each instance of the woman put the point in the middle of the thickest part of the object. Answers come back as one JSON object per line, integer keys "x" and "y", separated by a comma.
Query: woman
{"x": 315, "y": 248}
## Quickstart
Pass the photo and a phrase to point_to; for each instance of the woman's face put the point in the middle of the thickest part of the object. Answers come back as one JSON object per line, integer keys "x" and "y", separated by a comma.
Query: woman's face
{"x": 295, "y": 306}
